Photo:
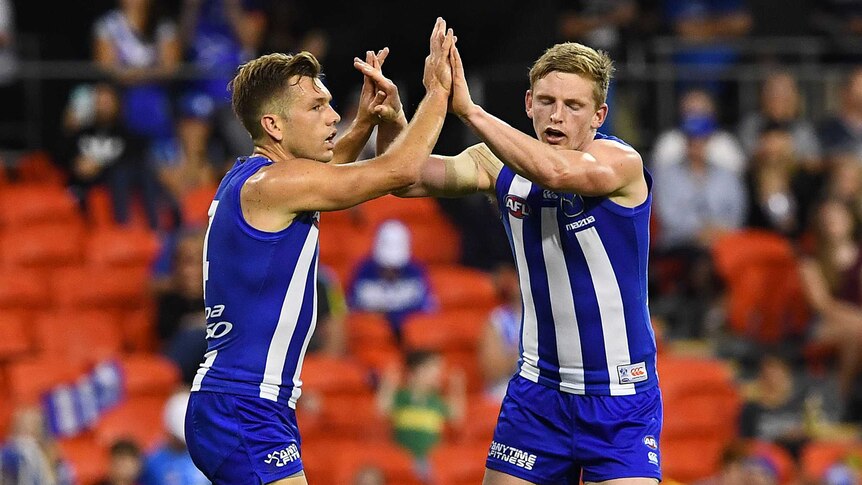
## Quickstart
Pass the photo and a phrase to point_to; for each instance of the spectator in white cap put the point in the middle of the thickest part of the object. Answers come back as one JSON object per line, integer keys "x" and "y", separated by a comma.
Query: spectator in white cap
{"x": 390, "y": 281}
{"x": 171, "y": 463}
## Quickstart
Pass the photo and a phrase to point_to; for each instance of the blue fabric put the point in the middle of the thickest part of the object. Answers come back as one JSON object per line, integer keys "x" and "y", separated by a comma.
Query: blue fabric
{"x": 236, "y": 439}
{"x": 548, "y": 437}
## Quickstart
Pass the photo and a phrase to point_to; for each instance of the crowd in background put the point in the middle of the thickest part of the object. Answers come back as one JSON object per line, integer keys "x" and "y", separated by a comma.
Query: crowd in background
{"x": 152, "y": 126}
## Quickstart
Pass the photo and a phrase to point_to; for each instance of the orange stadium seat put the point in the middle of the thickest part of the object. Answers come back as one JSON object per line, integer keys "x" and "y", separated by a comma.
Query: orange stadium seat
{"x": 480, "y": 419}
{"x": 784, "y": 462}
{"x": 148, "y": 375}
{"x": 138, "y": 418}
{"x": 343, "y": 246}
{"x": 86, "y": 336}
{"x": 445, "y": 331}
{"x": 36, "y": 167}
{"x": 332, "y": 376}
{"x": 137, "y": 329}
{"x": 691, "y": 459}
{"x": 766, "y": 301}
{"x": 88, "y": 287}
{"x": 395, "y": 462}
{"x": 23, "y": 288}
{"x": 121, "y": 247}
{"x": 14, "y": 338}
{"x": 44, "y": 246}
{"x": 459, "y": 287}
{"x": 459, "y": 464}
{"x": 435, "y": 242}
{"x": 29, "y": 378}
{"x": 368, "y": 329}
{"x": 818, "y": 456}
{"x": 88, "y": 458}
{"x": 377, "y": 359}
{"x": 100, "y": 212}
{"x": 22, "y": 205}
{"x": 196, "y": 205}
{"x": 419, "y": 210}
{"x": 354, "y": 417}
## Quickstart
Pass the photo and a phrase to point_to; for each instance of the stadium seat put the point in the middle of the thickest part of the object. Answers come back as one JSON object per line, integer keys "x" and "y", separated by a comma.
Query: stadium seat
{"x": 332, "y": 376}
{"x": 784, "y": 462}
{"x": 480, "y": 419}
{"x": 354, "y": 417}
{"x": 196, "y": 204}
{"x": 29, "y": 378}
{"x": 86, "y": 336}
{"x": 377, "y": 359}
{"x": 462, "y": 288}
{"x": 88, "y": 458}
{"x": 23, "y": 289}
{"x": 459, "y": 464}
{"x": 368, "y": 329}
{"x": 395, "y": 462}
{"x": 37, "y": 168}
{"x": 148, "y": 375}
{"x": 344, "y": 246}
{"x": 818, "y": 456}
{"x": 766, "y": 301}
{"x": 137, "y": 327}
{"x": 14, "y": 338}
{"x": 408, "y": 211}
{"x": 42, "y": 246}
{"x": 138, "y": 418}
{"x": 115, "y": 246}
{"x": 100, "y": 210}
{"x": 444, "y": 331}
{"x": 435, "y": 242}
{"x": 88, "y": 286}
{"x": 691, "y": 459}
{"x": 24, "y": 205}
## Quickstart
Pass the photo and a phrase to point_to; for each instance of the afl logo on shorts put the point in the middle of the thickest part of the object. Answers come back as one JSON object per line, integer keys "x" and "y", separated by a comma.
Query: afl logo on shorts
{"x": 572, "y": 205}
{"x": 517, "y": 206}
{"x": 651, "y": 442}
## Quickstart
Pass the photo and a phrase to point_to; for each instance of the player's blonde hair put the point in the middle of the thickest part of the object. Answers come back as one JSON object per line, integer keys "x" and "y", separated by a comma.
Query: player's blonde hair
{"x": 575, "y": 58}
{"x": 260, "y": 84}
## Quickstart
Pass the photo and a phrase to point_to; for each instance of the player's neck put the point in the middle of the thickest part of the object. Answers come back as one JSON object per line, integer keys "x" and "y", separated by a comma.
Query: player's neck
{"x": 273, "y": 152}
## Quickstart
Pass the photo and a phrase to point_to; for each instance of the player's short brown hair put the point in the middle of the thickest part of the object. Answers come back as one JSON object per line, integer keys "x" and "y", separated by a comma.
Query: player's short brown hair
{"x": 575, "y": 58}
{"x": 259, "y": 86}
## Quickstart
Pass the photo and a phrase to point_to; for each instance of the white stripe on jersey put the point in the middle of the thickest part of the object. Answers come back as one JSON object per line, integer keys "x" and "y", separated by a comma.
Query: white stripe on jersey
{"x": 287, "y": 319}
{"x": 297, "y": 382}
{"x": 211, "y": 214}
{"x": 210, "y": 358}
{"x": 530, "y": 332}
{"x": 562, "y": 306}
{"x": 610, "y": 308}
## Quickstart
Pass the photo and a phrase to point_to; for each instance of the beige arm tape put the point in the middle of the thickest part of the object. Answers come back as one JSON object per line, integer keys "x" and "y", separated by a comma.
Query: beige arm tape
{"x": 462, "y": 170}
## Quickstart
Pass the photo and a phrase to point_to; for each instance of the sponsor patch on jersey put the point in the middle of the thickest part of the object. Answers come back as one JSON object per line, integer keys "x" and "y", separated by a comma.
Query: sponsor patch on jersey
{"x": 632, "y": 373}
{"x": 572, "y": 205}
{"x": 281, "y": 458}
{"x": 652, "y": 456}
{"x": 512, "y": 455}
{"x": 517, "y": 206}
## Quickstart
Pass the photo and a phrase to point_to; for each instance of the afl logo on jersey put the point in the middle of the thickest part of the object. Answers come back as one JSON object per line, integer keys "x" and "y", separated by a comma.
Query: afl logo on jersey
{"x": 572, "y": 205}
{"x": 517, "y": 206}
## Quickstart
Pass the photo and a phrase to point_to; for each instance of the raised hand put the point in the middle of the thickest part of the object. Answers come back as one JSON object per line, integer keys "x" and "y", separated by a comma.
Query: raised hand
{"x": 438, "y": 70}
{"x": 379, "y": 97}
{"x": 460, "y": 101}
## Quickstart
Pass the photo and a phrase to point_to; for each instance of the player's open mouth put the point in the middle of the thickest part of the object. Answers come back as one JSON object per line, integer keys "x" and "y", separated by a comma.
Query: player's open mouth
{"x": 553, "y": 136}
{"x": 331, "y": 138}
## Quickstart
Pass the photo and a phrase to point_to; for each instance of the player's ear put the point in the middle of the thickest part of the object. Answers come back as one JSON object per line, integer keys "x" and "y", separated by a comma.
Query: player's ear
{"x": 528, "y": 103}
{"x": 600, "y": 116}
{"x": 272, "y": 125}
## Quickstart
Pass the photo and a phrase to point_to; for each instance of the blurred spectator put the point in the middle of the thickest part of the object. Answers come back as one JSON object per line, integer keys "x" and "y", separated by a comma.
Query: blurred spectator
{"x": 180, "y": 319}
{"x": 417, "y": 409}
{"x": 499, "y": 348}
{"x": 773, "y": 182}
{"x": 842, "y": 133}
{"x": 8, "y": 59}
{"x": 102, "y": 151}
{"x": 30, "y": 456}
{"x": 832, "y": 280}
{"x": 698, "y": 112}
{"x": 171, "y": 464}
{"x": 125, "y": 465}
{"x": 599, "y": 24}
{"x": 844, "y": 182}
{"x": 389, "y": 281}
{"x": 141, "y": 50}
{"x": 704, "y": 29}
{"x": 291, "y": 27}
{"x": 774, "y": 406}
{"x": 841, "y": 22}
{"x": 738, "y": 467}
{"x": 219, "y": 35}
{"x": 781, "y": 104}
{"x": 369, "y": 475}
{"x": 329, "y": 334}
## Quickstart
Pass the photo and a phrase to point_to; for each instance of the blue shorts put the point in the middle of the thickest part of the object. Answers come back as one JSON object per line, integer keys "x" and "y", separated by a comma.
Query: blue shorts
{"x": 238, "y": 439}
{"x": 548, "y": 437}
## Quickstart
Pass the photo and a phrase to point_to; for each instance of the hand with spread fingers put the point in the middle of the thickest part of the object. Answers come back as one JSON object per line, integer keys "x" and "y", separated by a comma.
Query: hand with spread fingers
{"x": 379, "y": 99}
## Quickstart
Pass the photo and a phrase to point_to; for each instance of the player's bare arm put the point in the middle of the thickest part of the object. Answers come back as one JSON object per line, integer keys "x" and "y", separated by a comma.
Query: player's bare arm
{"x": 473, "y": 170}
{"x": 597, "y": 168}
{"x": 272, "y": 197}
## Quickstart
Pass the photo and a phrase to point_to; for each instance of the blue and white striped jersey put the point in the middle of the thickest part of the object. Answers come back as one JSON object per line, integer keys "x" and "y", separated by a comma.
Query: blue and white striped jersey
{"x": 261, "y": 297}
{"x": 582, "y": 264}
